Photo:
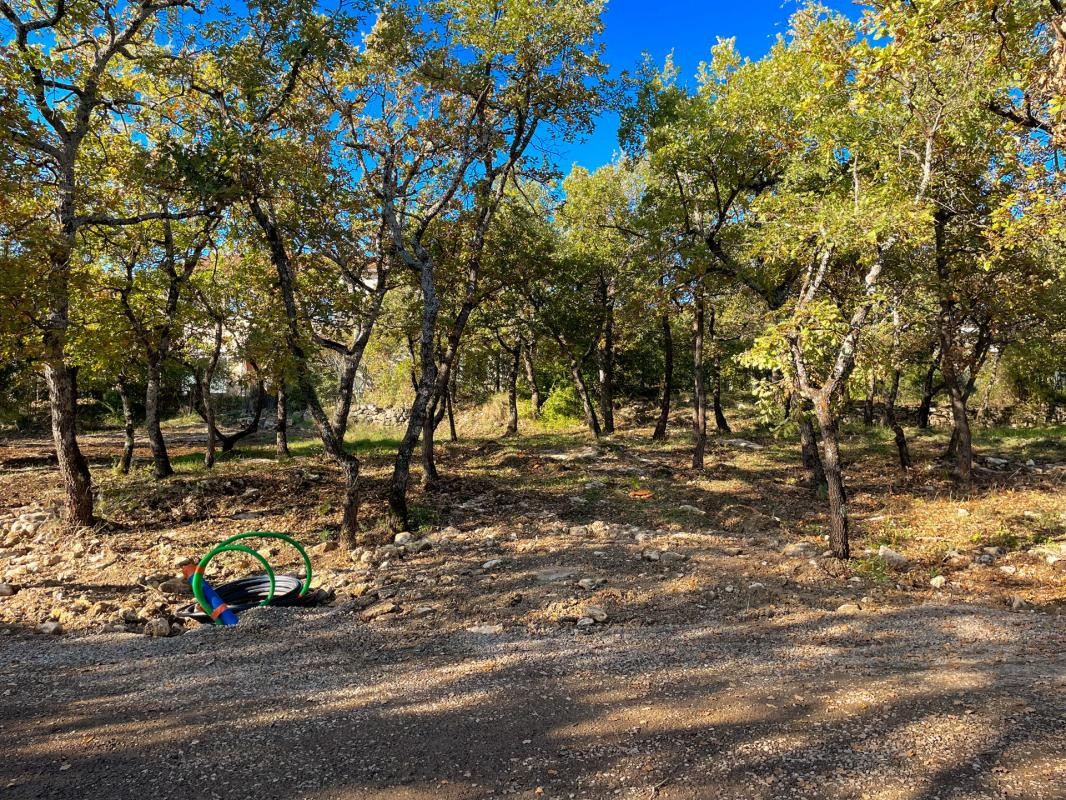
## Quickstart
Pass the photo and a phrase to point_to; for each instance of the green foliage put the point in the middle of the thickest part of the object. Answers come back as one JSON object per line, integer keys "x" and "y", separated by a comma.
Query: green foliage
{"x": 562, "y": 404}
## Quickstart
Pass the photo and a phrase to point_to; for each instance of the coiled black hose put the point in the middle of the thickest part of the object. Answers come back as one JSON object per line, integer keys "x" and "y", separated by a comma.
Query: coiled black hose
{"x": 245, "y": 593}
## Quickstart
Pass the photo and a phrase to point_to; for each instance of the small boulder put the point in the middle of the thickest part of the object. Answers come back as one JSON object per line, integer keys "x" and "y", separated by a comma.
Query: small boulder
{"x": 50, "y": 628}
{"x": 849, "y": 608}
{"x": 158, "y": 627}
{"x": 176, "y": 586}
{"x": 597, "y": 613}
{"x": 892, "y": 558}
{"x": 938, "y": 581}
{"x": 379, "y": 610}
{"x": 327, "y": 546}
{"x": 6, "y": 590}
{"x": 492, "y": 563}
{"x": 403, "y": 537}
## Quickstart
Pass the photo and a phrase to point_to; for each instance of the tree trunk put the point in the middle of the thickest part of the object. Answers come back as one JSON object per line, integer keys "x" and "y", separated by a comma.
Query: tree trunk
{"x": 416, "y": 422}
{"x": 512, "y": 394}
{"x": 281, "y": 423}
{"x": 207, "y": 401}
{"x": 986, "y": 398}
{"x": 586, "y": 398}
{"x": 334, "y": 446}
{"x": 161, "y": 466}
{"x": 208, "y": 405}
{"x": 531, "y": 379}
{"x": 128, "y": 427}
{"x": 893, "y": 421}
{"x": 960, "y": 445}
{"x": 661, "y": 427}
{"x": 699, "y": 411}
{"x": 429, "y": 464}
{"x": 812, "y": 462}
{"x": 947, "y": 326}
{"x": 869, "y": 405}
{"x": 929, "y": 391}
{"x": 834, "y": 477}
{"x": 452, "y": 433}
{"x": 606, "y": 361}
{"x": 229, "y": 440}
{"x": 63, "y": 396}
{"x": 720, "y": 422}
{"x": 344, "y": 395}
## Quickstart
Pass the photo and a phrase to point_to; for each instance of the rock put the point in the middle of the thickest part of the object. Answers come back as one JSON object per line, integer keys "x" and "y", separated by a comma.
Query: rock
{"x": 327, "y": 546}
{"x": 403, "y": 537}
{"x": 743, "y": 444}
{"x": 585, "y": 622}
{"x": 650, "y": 554}
{"x": 992, "y": 551}
{"x": 158, "y": 626}
{"x": 597, "y": 613}
{"x": 962, "y": 512}
{"x": 553, "y": 574}
{"x": 50, "y": 628}
{"x": 599, "y": 527}
{"x": 6, "y": 590}
{"x": 892, "y": 558}
{"x": 992, "y": 461}
{"x": 693, "y": 510}
{"x": 418, "y": 546}
{"x": 1008, "y": 569}
{"x": 492, "y": 563}
{"x": 938, "y": 581}
{"x": 588, "y": 584}
{"x": 1018, "y": 603}
{"x": 385, "y": 553}
{"x": 487, "y": 629}
{"x": 984, "y": 559}
{"x": 379, "y": 610}
{"x": 849, "y": 608}
{"x": 423, "y": 611}
{"x": 800, "y": 549}
{"x": 672, "y": 557}
{"x": 183, "y": 561}
{"x": 176, "y": 586}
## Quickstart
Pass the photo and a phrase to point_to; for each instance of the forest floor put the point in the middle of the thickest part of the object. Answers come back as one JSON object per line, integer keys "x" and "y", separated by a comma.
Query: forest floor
{"x": 573, "y": 619}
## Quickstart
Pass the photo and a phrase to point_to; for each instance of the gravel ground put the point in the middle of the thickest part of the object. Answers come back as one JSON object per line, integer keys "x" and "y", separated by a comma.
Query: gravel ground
{"x": 928, "y": 701}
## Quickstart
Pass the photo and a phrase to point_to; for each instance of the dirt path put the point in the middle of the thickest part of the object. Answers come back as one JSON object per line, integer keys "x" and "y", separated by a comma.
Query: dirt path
{"x": 931, "y": 701}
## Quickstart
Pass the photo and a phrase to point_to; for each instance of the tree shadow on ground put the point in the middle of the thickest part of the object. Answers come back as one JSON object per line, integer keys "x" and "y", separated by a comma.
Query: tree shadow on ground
{"x": 927, "y": 702}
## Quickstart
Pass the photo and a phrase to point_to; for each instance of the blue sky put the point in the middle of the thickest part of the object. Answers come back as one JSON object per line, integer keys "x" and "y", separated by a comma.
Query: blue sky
{"x": 688, "y": 28}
